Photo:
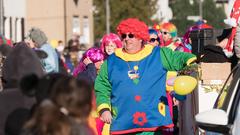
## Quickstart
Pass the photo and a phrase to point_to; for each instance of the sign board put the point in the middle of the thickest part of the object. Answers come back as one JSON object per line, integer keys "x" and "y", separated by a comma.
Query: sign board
{"x": 193, "y": 18}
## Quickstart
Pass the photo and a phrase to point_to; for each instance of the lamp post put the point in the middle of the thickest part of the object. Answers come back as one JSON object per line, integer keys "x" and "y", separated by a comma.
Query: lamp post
{"x": 1, "y": 17}
{"x": 107, "y": 17}
{"x": 200, "y": 10}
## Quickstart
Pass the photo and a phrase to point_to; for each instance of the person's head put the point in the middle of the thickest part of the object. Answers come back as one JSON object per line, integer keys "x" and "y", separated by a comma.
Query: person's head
{"x": 73, "y": 45}
{"x": 73, "y": 95}
{"x": 110, "y": 42}
{"x": 75, "y": 37}
{"x": 39, "y": 87}
{"x": 133, "y": 33}
{"x": 36, "y": 38}
{"x": 95, "y": 55}
{"x": 70, "y": 102}
{"x": 60, "y": 47}
{"x": 168, "y": 31}
{"x": 154, "y": 39}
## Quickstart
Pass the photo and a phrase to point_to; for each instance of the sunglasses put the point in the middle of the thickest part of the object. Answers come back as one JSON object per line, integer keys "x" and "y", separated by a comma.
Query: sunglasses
{"x": 153, "y": 39}
{"x": 164, "y": 32}
{"x": 125, "y": 35}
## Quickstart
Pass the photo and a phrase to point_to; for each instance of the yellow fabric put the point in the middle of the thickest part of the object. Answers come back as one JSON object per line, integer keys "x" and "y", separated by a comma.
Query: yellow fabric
{"x": 94, "y": 114}
{"x": 102, "y": 106}
{"x": 54, "y": 43}
{"x": 106, "y": 129}
{"x": 162, "y": 109}
{"x": 191, "y": 60}
{"x": 134, "y": 57}
{"x": 170, "y": 74}
{"x": 92, "y": 124}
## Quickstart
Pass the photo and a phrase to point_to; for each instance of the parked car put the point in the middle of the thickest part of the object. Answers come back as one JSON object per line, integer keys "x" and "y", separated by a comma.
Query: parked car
{"x": 224, "y": 118}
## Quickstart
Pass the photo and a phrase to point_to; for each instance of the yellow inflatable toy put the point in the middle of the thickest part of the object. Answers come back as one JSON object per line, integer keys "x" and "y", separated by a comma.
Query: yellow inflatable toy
{"x": 184, "y": 85}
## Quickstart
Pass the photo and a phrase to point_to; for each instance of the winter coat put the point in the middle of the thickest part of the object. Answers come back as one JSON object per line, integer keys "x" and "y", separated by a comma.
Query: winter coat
{"x": 213, "y": 54}
{"x": 20, "y": 62}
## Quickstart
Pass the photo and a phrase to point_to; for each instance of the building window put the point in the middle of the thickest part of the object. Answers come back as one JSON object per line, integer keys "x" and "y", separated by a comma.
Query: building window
{"x": 76, "y": 25}
{"x": 85, "y": 37}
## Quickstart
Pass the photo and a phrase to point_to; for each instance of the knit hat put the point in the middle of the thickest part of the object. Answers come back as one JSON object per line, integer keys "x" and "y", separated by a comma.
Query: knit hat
{"x": 37, "y": 36}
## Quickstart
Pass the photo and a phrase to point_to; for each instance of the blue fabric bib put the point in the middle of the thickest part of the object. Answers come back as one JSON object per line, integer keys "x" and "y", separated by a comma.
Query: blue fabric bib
{"x": 138, "y": 106}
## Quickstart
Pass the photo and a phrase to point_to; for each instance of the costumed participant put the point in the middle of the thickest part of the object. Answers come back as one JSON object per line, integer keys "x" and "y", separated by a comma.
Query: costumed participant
{"x": 170, "y": 39}
{"x": 186, "y": 45}
{"x": 124, "y": 99}
{"x": 154, "y": 39}
{"x": 89, "y": 64}
{"x": 87, "y": 69}
{"x": 109, "y": 43}
{"x": 233, "y": 21}
{"x": 169, "y": 34}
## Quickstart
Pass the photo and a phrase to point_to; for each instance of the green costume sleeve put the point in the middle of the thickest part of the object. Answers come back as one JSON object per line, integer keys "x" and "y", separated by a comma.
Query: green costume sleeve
{"x": 103, "y": 88}
{"x": 174, "y": 60}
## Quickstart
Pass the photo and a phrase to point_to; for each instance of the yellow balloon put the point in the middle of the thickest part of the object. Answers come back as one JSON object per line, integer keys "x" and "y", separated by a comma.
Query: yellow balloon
{"x": 184, "y": 85}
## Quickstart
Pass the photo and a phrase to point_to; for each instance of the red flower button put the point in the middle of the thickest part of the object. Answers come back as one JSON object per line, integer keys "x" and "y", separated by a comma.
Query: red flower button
{"x": 138, "y": 98}
{"x": 139, "y": 118}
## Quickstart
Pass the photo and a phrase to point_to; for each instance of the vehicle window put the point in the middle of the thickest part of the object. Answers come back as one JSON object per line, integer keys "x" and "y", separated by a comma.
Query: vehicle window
{"x": 226, "y": 92}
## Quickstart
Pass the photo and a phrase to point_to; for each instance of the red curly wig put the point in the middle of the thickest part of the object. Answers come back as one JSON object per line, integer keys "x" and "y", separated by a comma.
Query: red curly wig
{"x": 134, "y": 26}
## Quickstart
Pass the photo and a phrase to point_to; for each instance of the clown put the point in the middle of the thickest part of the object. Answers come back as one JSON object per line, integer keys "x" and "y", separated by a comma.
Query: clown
{"x": 87, "y": 69}
{"x": 90, "y": 63}
{"x": 130, "y": 88}
{"x": 154, "y": 39}
{"x": 109, "y": 43}
{"x": 169, "y": 34}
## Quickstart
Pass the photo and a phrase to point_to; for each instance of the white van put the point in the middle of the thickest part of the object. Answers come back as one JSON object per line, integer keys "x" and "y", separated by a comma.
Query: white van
{"x": 224, "y": 118}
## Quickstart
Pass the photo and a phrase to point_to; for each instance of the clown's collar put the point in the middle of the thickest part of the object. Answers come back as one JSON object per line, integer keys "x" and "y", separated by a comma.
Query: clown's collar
{"x": 136, "y": 56}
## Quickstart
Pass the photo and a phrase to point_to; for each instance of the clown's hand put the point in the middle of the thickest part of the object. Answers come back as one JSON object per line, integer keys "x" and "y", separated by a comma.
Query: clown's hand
{"x": 191, "y": 70}
{"x": 106, "y": 117}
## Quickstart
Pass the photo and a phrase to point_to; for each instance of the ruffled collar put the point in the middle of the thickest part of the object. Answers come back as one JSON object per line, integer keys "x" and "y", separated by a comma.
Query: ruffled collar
{"x": 134, "y": 57}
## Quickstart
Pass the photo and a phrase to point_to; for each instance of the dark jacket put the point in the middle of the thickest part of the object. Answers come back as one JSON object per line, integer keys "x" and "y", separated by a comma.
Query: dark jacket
{"x": 89, "y": 74}
{"x": 14, "y": 111}
{"x": 20, "y": 62}
{"x": 213, "y": 54}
